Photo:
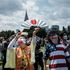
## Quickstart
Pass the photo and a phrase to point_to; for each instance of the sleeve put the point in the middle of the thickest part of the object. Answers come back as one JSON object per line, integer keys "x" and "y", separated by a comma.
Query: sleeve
{"x": 32, "y": 46}
{"x": 12, "y": 43}
{"x": 66, "y": 52}
{"x": 47, "y": 52}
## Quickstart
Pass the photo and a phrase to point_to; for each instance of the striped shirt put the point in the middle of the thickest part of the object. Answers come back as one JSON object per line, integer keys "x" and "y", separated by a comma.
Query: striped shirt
{"x": 57, "y": 58}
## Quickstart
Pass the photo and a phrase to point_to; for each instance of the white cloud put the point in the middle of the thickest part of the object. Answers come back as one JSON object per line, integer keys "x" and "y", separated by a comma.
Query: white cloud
{"x": 7, "y": 7}
{"x": 12, "y": 12}
{"x": 30, "y": 5}
{"x": 60, "y": 3}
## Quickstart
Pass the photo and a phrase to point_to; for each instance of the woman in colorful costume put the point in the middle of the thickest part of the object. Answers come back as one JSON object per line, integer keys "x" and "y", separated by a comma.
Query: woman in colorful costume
{"x": 23, "y": 55}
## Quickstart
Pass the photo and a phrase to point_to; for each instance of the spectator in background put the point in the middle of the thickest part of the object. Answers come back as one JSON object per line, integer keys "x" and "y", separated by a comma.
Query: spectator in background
{"x": 5, "y": 45}
{"x": 1, "y": 48}
{"x": 63, "y": 38}
{"x": 0, "y": 44}
{"x": 68, "y": 57}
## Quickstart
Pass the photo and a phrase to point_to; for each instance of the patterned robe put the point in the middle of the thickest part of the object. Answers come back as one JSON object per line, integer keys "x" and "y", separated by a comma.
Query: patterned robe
{"x": 23, "y": 58}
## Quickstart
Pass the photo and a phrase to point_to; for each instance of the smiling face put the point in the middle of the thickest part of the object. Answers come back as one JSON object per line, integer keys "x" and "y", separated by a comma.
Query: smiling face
{"x": 54, "y": 39}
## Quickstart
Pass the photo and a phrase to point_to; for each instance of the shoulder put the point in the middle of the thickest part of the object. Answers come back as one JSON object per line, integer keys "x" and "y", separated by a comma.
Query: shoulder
{"x": 48, "y": 46}
{"x": 61, "y": 45}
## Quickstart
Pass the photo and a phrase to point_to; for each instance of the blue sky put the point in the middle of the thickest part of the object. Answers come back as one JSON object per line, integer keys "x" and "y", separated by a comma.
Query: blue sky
{"x": 53, "y": 12}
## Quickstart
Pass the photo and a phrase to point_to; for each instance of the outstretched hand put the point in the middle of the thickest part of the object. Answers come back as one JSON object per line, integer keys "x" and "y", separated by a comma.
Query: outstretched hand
{"x": 35, "y": 31}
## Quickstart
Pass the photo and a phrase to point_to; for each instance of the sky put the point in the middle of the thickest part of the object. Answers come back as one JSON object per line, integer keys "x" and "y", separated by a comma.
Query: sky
{"x": 53, "y": 12}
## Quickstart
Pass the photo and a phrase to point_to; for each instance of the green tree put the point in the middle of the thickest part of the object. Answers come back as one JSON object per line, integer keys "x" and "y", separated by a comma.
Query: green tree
{"x": 6, "y": 34}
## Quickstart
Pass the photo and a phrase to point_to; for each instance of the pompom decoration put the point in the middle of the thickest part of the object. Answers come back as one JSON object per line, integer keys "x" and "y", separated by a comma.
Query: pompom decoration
{"x": 33, "y": 22}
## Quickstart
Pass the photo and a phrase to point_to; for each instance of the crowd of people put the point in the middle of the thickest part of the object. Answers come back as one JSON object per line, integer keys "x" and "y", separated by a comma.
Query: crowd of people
{"x": 22, "y": 52}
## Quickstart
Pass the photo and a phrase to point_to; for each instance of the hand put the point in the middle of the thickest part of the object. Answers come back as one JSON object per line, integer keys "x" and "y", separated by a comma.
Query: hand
{"x": 34, "y": 33}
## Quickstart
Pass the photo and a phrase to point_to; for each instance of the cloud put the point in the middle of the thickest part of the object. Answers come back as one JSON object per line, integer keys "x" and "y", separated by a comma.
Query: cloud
{"x": 60, "y": 13}
{"x": 15, "y": 20}
{"x": 31, "y": 5}
{"x": 10, "y": 6}
{"x": 12, "y": 12}
{"x": 62, "y": 3}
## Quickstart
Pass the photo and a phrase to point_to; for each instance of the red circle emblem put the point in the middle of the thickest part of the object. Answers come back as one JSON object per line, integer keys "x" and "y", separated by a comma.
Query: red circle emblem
{"x": 33, "y": 21}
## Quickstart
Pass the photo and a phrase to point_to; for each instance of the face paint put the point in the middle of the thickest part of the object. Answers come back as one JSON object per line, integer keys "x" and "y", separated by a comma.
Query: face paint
{"x": 21, "y": 41}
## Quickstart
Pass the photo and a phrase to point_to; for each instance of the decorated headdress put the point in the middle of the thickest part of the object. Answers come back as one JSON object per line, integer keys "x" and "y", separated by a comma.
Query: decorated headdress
{"x": 34, "y": 22}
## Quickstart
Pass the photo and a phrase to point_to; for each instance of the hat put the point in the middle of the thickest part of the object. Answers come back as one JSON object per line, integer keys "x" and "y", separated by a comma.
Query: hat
{"x": 52, "y": 33}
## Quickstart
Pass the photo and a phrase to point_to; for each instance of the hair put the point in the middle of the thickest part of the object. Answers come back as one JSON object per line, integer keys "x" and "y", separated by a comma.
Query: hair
{"x": 52, "y": 33}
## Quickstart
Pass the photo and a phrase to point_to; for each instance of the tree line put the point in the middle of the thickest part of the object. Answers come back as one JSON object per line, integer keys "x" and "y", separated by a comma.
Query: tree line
{"x": 41, "y": 33}
{"x": 6, "y": 34}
